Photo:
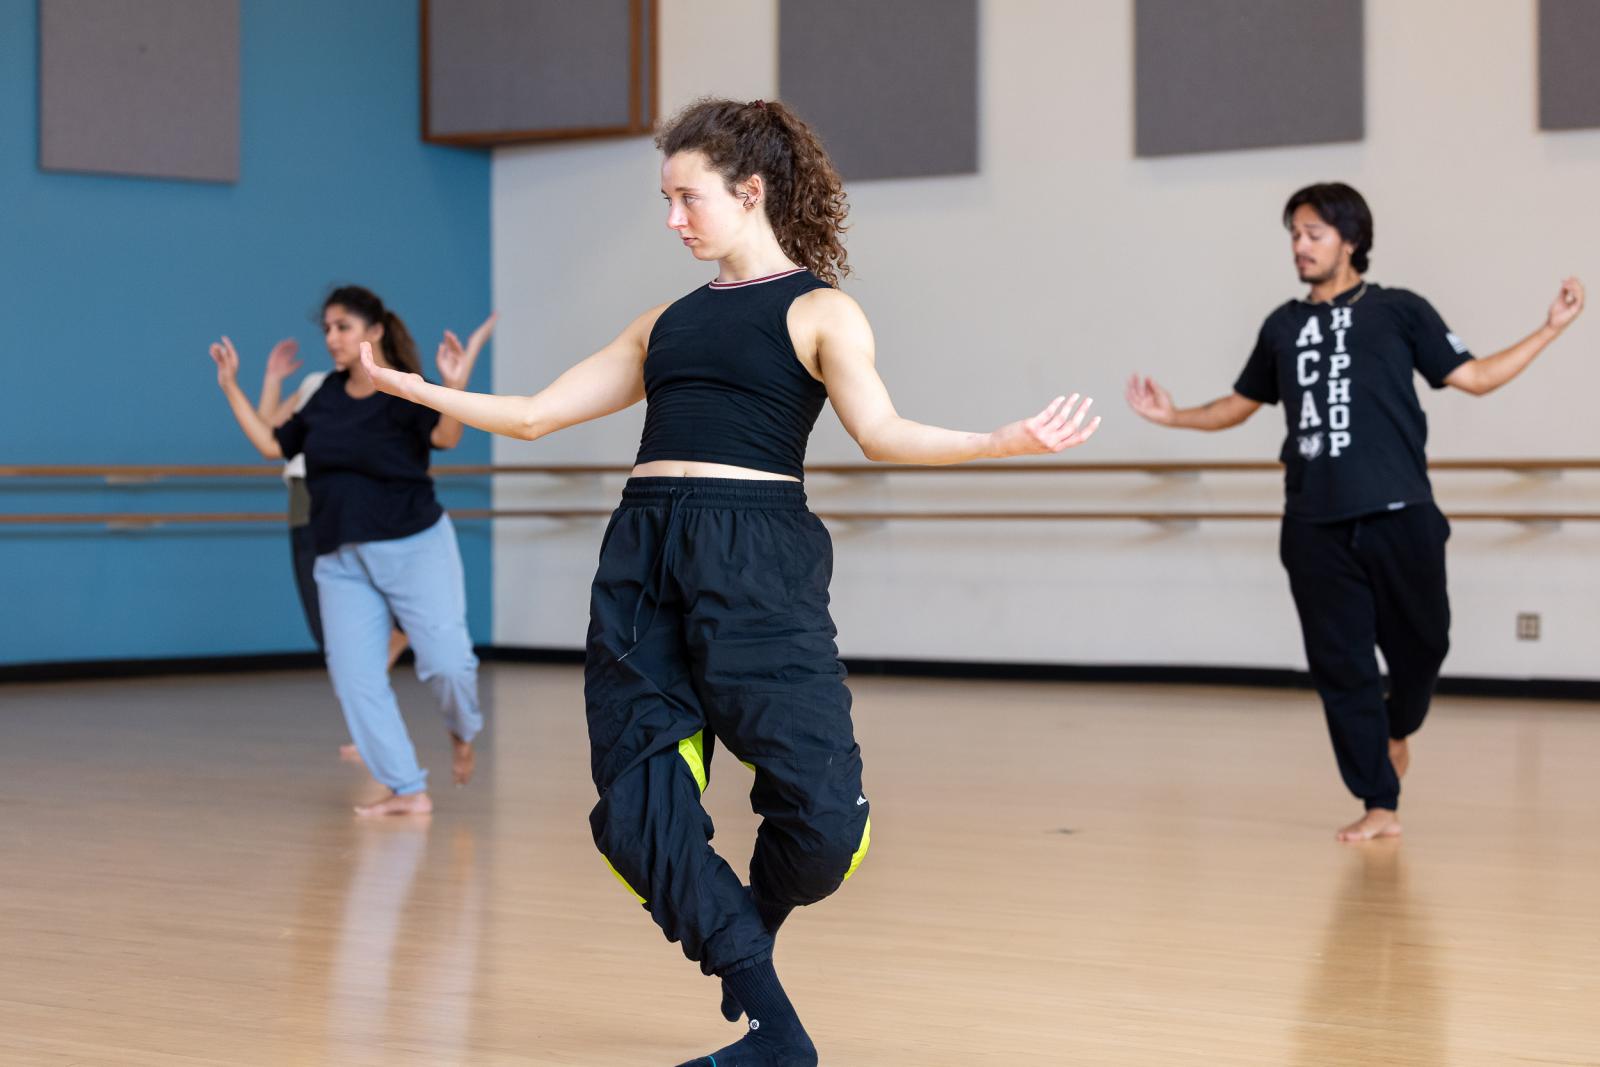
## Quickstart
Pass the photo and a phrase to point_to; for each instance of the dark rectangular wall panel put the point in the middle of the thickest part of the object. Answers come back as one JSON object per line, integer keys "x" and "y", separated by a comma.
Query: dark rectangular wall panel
{"x": 500, "y": 71}
{"x": 891, "y": 85}
{"x": 148, "y": 88}
{"x": 1219, "y": 75}
{"x": 1569, "y": 64}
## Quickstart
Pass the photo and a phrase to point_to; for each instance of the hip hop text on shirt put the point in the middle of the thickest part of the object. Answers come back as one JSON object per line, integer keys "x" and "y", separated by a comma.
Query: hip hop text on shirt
{"x": 1324, "y": 425}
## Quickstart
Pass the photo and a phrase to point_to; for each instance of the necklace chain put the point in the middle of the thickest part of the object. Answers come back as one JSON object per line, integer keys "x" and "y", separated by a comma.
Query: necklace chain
{"x": 1359, "y": 293}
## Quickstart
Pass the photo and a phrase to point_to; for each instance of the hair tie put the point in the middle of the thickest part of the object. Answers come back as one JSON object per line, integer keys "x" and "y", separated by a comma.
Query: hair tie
{"x": 762, "y": 104}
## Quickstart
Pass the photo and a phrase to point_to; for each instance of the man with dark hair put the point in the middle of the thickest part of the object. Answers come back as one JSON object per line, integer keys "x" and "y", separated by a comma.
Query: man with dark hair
{"x": 1361, "y": 539}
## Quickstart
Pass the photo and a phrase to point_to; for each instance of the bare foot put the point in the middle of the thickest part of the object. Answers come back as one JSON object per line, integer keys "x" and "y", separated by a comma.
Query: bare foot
{"x": 464, "y": 760}
{"x": 1378, "y": 822}
{"x": 397, "y": 644}
{"x": 350, "y": 754}
{"x": 1400, "y": 756}
{"x": 410, "y": 804}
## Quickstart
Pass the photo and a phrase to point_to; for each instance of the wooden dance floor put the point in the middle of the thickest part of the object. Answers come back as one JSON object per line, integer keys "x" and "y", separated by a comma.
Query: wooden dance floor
{"x": 1060, "y": 874}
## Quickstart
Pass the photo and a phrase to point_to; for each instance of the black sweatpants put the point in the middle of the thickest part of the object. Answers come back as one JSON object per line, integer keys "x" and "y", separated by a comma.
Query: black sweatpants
{"x": 303, "y": 548}
{"x": 1376, "y": 581}
{"x": 709, "y": 623}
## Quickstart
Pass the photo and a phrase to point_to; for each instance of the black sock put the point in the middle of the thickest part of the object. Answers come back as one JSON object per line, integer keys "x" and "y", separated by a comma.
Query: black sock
{"x": 775, "y": 1038}
{"x": 772, "y": 917}
{"x": 731, "y": 1010}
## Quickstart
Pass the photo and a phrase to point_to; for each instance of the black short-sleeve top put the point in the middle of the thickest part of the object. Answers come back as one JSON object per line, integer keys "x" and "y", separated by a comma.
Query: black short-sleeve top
{"x": 1344, "y": 371}
{"x": 366, "y": 464}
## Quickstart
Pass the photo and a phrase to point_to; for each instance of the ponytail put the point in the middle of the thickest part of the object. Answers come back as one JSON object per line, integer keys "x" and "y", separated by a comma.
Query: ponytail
{"x": 398, "y": 346}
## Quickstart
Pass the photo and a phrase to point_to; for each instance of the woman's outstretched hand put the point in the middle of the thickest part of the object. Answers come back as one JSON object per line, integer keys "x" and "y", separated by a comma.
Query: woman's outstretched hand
{"x": 1568, "y": 304}
{"x": 1060, "y": 426}
{"x": 1150, "y": 401}
{"x": 226, "y": 358}
{"x": 282, "y": 362}
{"x": 386, "y": 379}
{"x": 455, "y": 362}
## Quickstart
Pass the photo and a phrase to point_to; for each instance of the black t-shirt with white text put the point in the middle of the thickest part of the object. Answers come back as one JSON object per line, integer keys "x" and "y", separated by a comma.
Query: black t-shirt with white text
{"x": 1343, "y": 369}
{"x": 366, "y": 464}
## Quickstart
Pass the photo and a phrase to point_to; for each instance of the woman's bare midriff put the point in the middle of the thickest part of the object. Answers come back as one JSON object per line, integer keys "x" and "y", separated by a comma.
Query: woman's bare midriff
{"x": 684, "y": 468}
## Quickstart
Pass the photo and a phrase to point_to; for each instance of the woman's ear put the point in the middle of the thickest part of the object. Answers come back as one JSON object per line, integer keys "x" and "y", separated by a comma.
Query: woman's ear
{"x": 751, "y": 191}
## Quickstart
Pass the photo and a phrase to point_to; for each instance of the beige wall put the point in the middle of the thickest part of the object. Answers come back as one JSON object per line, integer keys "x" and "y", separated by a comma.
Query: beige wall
{"x": 1066, "y": 264}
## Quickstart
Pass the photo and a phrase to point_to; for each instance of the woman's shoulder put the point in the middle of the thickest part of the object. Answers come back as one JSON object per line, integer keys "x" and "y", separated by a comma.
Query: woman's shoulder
{"x": 319, "y": 389}
{"x": 308, "y": 387}
{"x": 827, "y": 304}
{"x": 642, "y": 328}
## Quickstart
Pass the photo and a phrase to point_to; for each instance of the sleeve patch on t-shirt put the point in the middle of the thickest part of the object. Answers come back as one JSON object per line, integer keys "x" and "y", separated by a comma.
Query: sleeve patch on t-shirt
{"x": 1456, "y": 343}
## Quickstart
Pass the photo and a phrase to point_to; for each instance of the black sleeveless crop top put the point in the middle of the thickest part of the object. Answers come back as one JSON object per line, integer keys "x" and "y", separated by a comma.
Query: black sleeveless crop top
{"x": 722, "y": 382}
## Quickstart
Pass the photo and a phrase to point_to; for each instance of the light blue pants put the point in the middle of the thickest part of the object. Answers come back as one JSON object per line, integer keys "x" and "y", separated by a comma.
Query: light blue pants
{"x": 417, "y": 579}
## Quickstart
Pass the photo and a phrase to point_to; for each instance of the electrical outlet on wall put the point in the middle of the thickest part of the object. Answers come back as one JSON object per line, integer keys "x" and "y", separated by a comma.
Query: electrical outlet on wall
{"x": 1527, "y": 626}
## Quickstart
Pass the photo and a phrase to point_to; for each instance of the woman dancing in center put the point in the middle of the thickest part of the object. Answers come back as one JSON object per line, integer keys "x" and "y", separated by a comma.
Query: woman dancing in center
{"x": 709, "y": 615}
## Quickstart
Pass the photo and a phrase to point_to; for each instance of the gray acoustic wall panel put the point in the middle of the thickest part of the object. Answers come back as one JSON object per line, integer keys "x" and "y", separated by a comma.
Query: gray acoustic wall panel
{"x": 498, "y": 69}
{"x": 1569, "y": 64}
{"x": 146, "y": 88}
{"x": 1216, "y": 75}
{"x": 891, "y": 85}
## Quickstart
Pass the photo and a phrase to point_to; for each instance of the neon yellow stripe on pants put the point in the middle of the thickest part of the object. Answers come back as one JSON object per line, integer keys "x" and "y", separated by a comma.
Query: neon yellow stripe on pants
{"x": 693, "y": 752}
{"x": 861, "y": 853}
{"x": 621, "y": 879}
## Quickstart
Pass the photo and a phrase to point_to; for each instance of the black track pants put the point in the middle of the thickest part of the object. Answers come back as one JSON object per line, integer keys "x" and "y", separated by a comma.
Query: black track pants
{"x": 303, "y": 547}
{"x": 1373, "y": 582}
{"x": 709, "y": 623}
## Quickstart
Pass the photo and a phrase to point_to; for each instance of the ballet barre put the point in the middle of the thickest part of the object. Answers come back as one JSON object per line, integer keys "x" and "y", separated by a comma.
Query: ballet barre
{"x": 130, "y": 475}
{"x": 152, "y": 520}
{"x": 141, "y": 474}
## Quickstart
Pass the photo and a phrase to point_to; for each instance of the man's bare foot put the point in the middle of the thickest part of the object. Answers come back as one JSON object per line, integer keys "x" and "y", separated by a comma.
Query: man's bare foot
{"x": 351, "y": 754}
{"x": 463, "y": 761}
{"x": 397, "y": 644}
{"x": 1400, "y": 756}
{"x": 1378, "y": 822}
{"x": 410, "y": 804}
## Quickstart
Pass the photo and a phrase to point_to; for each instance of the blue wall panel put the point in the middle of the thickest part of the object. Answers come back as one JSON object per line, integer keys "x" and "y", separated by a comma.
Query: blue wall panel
{"x": 111, "y": 289}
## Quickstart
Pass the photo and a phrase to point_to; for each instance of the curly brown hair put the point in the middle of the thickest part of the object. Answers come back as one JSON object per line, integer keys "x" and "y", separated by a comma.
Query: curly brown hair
{"x": 805, "y": 200}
